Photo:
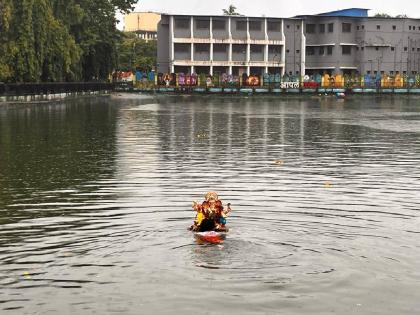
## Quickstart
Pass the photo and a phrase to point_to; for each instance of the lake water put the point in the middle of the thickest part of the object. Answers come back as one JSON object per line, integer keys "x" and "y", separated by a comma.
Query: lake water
{"x": 95, "y": 201}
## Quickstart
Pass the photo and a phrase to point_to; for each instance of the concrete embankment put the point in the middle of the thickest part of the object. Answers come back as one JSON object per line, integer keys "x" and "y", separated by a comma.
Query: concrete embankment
{"x": 268, "y": 91}
{"x": 44, "y": 92}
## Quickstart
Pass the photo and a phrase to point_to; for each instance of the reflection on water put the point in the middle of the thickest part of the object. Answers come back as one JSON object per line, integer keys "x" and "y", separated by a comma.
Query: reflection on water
{"x": 95, "y": 198}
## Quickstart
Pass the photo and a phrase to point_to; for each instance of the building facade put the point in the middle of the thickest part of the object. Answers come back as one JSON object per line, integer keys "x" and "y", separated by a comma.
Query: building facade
{"x": 227, "y": 44}
{"x": 346, "y": 41}
{"x": 144, "y": 24}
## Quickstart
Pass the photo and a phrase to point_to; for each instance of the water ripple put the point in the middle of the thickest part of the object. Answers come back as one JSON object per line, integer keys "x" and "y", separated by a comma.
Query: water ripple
{"x": 95, "y": 201}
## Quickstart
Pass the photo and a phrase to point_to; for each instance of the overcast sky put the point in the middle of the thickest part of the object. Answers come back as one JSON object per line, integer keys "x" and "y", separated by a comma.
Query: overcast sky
{"x": 277, "y": 8}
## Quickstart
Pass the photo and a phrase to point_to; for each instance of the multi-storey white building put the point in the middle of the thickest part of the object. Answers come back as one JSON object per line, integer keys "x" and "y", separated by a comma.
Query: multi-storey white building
{"x": 345, "y": 41}
{"x": 229, "y": 44}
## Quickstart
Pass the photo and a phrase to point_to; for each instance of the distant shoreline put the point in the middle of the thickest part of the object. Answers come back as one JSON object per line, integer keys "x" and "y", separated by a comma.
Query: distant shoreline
{"x": 267, "y": 91}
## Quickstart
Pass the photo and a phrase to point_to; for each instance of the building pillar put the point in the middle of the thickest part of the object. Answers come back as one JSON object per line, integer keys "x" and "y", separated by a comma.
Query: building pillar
{"x": 171, "y": 45}
{"x": 230, "y": 45}
{"x": 192, "y": 27}
{"x": 283, "y": 49}
{"x": 192, "y": 70}
{"x": 266, "y": 60}
{"x": 211, "y": 46}
{"x": 303, "y": 52}
{"x": 266, "y": 28}
{"x": 248, "y": 48}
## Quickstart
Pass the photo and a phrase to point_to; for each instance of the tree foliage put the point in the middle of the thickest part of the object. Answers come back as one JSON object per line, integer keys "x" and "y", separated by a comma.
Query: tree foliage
{"x": 59, "y": 40}
{"x": 230, "y": 11}
{"x": 387, "y": 16}
{"x": 136, "y": 54}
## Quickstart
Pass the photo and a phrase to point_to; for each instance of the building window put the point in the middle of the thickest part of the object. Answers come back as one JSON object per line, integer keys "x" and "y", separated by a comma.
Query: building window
{"x": 287, "y": 51}
{"x": 358, "y": 27}
{"x": 182, "y": 23}
{"x": 330, "y": 50}
{"x": 404, "y": 72}
{"x": 321, "y": 51}
{"x": 409, "y": 27}
{"x": 256, "y": 49}
{"x": 419, "y": 28}
{"x": 394, "y": 27}
{"x": 330, "y": 27}
{"x": 413, "y": 49}
{"x": 418, "y": 49}
{"x": 392, "y": 48}
{"x": 297, "y": 72}
{"x": 274, "y": 26}
{"x": 219, "y": 25}
{"x": 363, "y": 27}
{"x": 274, "y": 50}
{"x": 310, "y": 51}
{"x": 346, "y": 27}
{"x": 363, "y": 48}
{"x": 376, "y": 48}
{"x": 375, "y": 72}
{"x": 287, "y": 26}
{"x": 290, "y": 73}
{"x": 310, "y": 28}
{"x": 322, "y": 28}
{"x": 368, "y": 72}
{"x": 202, "y": 48}
{"x": 254, "y": 25}
{"x": 298, "y": 27}
{"x": 202, "y": 24}
{"x": 238, "y": 49}
{"x": 182, "y": 48}
{"x": 241, "y": 25}
{"x": 219, "y": 48}
{"x": 346, "y": 50}
{"x": 378, "y": 27}
{"x": 391, "y": 72}
{"x": 297, "y": 51}
{"x": 357, "y": 48}
{"x": 405, "y": 49}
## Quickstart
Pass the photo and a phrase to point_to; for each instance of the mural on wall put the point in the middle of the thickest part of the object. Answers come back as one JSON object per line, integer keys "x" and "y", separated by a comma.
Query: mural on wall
{"x": 123, "y": 76}
{"x": 311, "y": 82}
{"x": 166, "y": 79}
{"x": 271, "y": 79}
{"x": 252, "y": 80}
{"x": 187, "y": 79}
{"x": 377, "y": 81}
{"x": 229, "y": 80}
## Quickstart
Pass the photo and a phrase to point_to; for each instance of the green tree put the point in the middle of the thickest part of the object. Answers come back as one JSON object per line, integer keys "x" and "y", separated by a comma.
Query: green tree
{"x": 386, "y": 15}
{"x": 230, "y": 11}
{"x": 382, "y": 15}
{"x": 5, "y": 16}
{"x": 136, "y": 54}
{"x": 55, "y": 40}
